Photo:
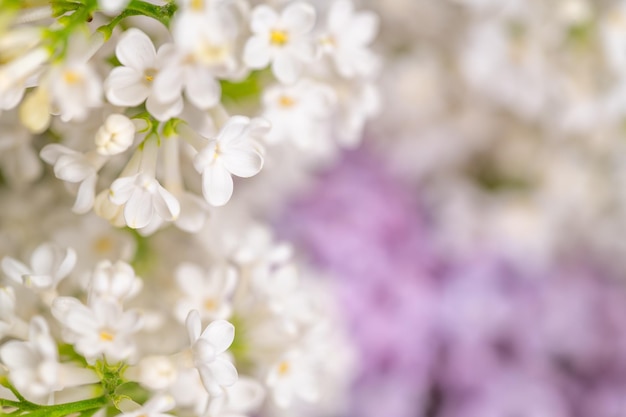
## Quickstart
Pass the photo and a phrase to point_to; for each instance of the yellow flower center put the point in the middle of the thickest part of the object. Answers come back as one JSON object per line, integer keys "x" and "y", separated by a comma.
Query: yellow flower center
{"x": 286, "y": 101}
{"x": 197, "y": 5}
{"x": 71, "y": 77}
{"x": 106, "y": 336}
{"x": 283, "y": 368}
{"x": 103, "y": 245}
{"x": 279, "y": 37}
{"x": 209, "y": 304}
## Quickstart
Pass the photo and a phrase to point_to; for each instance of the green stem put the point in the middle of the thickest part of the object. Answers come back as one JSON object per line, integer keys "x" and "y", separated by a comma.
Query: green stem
{"x": 61, "y": 410}
{"x": 161, "y": 13}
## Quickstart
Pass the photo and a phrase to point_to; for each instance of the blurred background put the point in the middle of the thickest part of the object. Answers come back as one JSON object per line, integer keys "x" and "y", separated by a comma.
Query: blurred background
{"x": 476, "y": 239}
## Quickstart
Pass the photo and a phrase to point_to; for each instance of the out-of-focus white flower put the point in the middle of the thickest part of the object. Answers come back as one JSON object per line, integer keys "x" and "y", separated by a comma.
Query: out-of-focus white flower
{"x": 347, "y": 38}
{"x": 292, "y": 378}
{"x": 208, "y": 348}
{"x": 34, "y": 366}
{"x": 75, "y": 87}
{"x": 300, "y": 113}
{"x": 100, "y": 329}
{"x": 209, "y": 293}
{"x": 115, "y": 136}
{"x": 49, "y": 264}
{"x": 284, "y": 40}
{"x": 156, "y": 372}
{"x": 133, "y": 83}
{"x": 116, "y": 282}
{"x": 154, "y": 407}
{"x": 15, "y": 74}
{"x": 240, "y": 400}
{"x": 234, "y": 151}
{"x": 76, "y": 168}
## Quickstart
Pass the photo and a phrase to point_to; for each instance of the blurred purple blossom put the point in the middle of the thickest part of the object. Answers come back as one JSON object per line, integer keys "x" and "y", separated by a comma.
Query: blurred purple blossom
{"x": 484, "y": 337}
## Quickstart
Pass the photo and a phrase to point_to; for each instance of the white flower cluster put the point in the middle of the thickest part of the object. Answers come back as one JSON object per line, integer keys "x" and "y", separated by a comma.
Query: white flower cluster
{"x": 145, "y": 111}
{"x": 255, "y": 329}
{"x": 153, "y": 111}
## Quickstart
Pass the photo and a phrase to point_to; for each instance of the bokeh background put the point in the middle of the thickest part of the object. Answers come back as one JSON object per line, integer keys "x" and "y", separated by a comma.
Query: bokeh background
{"x": 476, "y": 239}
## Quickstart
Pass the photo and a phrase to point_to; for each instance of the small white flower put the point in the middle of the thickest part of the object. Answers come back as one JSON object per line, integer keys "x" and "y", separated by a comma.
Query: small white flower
{"x": 208, "y": 349}
{"x": 116, "y": 282}
{"x": 156, "y": 372}
{"x": 116, "y": 135}
{"x": 143, "y": 197}
{"x": 33, "y": 365}
{"x": 347, "y": 38}
{"x": 100, "y": 329}
{"x": 292, "y": 377}
{"x": 49, "y": 264}
{"x": 300, "y": 113}
{"x": 76, "y": 168}
{"x": 155, "y": 407}
{"x": 284, "y": 40}
{"x": 75, "y": 87}
{"x": 133, "y": 83}
{"x": 234, "y": 151}
{"x": 209, "y": 293}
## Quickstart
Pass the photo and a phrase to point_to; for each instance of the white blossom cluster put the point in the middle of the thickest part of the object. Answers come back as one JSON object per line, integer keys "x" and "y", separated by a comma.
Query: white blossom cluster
{"x": 145, "y": 111}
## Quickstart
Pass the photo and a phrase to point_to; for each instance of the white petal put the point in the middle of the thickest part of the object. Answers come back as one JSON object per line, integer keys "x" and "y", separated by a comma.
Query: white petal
{"x": 122, "y": 189}
{"x": 224, "y": 372}
{"x": 286, "y": 68}
{"x": 233, "y": 130}
{"x": 217, "y": 184}
{"x": 256, "y": 53}
{"x": 340, "y": 15}
{"x": 194, "y": 326}
{"x": 220, "y": 334}
{"x": 125, "y": 87}
{"x": 298, "y": 18}
{"x": 203, "y": 91}
{"x": 138, "y": 210}
{"x": 17, "y": 355}
{"x": 51, "y": 153}
{"x": 166, "y": 205}
{"x": 86, "y": 195}
{"x": 72, "y": 168}
{"x": 364, "y": 28}
{"x": 14, "y": 269}
{"x": 168, "y": 83}
{"x": 135, "y": 50}
{"x": 163, "y": 111}
{"x": 67, "y": 264}
{"x": 159, "y": 404}
{"x": 242, "y": 162}
{"x": 263, "y": 19}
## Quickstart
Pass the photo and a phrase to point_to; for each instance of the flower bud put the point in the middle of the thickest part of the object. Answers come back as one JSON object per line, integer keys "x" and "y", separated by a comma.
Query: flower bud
{"x": 115, "y": 135}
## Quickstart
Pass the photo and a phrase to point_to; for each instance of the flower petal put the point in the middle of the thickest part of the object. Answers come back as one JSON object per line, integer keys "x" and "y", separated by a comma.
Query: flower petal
{"x": 263, "y": 19}
{"x": 286, "y": 68}
{"x": 217, "y": 184}
{"x": 241, "y": 162}
{"x": 298, "y": 18}
{"x": 136, "y": 50}
{"x": 204, "y": 91}
{"x": 256, "y": 53}
{"x": 125, "y": 87}
{"x": 220, "y": 334}
{"x": 138, "y": 210}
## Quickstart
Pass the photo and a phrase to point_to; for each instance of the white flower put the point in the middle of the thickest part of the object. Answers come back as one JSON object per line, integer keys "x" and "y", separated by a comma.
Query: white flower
{"x": 15, "y": 74}
{"x": 209, "y": 293}
{"x": 234, "y": 151}
{"x": 133, "y": 83}
{"x": 240, "y": 400}
{"x": 116, "y": 282}
{"x": 34, "y": 367}
{"x": 208, "y": 348}
{"x": 299, "y": 113}
{"x": 292, "y": 377}
{"x": 49, "y": 264}
{"x": 347, "y": 38}
{"x": 75, "y": 87}
{"x": 100, "y": 329}
{"x": 156, "y": 372}
{"x": 283, "y": 40}
{"x": 116, "y": 135}
{"x": 143, "y": 198}
{"x": 154, "y": 407}
{"x": 77, "y": 168}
